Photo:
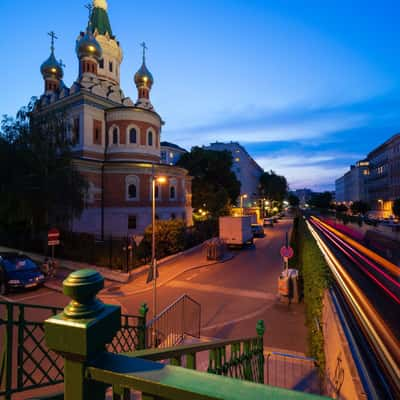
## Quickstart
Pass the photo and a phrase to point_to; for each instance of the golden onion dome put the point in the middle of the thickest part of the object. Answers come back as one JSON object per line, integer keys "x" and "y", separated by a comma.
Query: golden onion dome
{"x": 52, "y": 68}
{"x": 88, "y": 46}
{"x": 143, "y": 77}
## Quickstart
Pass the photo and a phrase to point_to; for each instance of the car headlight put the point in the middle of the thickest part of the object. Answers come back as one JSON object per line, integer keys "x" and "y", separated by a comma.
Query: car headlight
{"x": 39, "y": 277}
{"x": 14, "y": 281}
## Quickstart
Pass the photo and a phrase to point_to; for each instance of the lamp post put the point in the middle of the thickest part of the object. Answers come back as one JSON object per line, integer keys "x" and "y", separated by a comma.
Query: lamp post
{"x": 242, "y": 196}
{"x": 159, "y": 179}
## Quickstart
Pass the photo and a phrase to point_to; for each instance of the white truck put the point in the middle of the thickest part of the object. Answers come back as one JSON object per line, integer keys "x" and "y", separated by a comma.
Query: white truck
{"x": 236, "y": 231}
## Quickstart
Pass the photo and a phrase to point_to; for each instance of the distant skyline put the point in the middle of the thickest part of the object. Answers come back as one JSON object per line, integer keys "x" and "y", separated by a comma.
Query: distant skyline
{"x": 308, "y": 87}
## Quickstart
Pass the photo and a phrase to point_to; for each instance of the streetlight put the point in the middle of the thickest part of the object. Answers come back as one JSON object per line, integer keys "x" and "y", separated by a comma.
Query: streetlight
{"x": 242, "y": 196}
{"x": 158, "y": 179}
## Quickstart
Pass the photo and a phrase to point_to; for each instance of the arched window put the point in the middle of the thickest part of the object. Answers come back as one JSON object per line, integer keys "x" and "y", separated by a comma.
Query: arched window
{"x": 132, "y": 135}
{"x": 115, "y": 136}
{"x": 132, "y": 187}
{"x": 150, "y": 138}
{"x": 173, "y": 216}
{"x": 156, "y": 192}
{"x": 172, "y": 192}
{"x": 132, "y": 194}
{"x": 101, "y": 63}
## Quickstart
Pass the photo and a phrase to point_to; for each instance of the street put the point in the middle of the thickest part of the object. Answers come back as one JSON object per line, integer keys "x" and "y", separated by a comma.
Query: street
{"x": 233, "y": 295}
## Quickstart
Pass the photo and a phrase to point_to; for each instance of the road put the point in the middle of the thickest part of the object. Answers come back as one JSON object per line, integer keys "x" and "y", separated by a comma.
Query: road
{"x": 370, "y": 287}
{"x": 233, "y": 295}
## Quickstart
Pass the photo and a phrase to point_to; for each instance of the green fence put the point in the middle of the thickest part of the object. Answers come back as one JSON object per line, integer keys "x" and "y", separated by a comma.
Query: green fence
{"x": 27, "y": 363}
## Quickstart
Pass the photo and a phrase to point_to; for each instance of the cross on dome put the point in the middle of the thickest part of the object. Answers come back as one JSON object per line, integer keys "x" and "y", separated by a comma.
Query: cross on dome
{"x": 53, "y": 36}
{"x": 143, "y": 44}
{"x": 90, "y": 8}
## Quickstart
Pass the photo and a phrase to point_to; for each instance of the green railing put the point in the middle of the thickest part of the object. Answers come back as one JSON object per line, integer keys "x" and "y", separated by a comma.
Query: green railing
{"x": 26, "y": 362}
{"x": 80, "y": 334}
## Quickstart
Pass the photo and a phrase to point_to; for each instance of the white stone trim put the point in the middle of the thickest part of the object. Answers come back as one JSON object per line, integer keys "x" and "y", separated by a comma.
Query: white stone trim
{"x": 111, "y": 136}
{"x": 128, "y": 141}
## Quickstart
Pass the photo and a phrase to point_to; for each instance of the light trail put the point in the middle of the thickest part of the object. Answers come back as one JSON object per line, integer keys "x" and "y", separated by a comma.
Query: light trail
{"x": 361, "y": 266}
{"x": 392, "y": 268}
{"x": 385, "y": 344}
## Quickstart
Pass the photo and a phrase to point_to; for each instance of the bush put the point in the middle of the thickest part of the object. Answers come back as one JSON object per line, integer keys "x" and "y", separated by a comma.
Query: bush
{"x": 315, "y": 278}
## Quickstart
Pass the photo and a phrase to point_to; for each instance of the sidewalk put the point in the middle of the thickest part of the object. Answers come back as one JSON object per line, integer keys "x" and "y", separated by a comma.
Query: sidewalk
{"x": 134, "y": 282}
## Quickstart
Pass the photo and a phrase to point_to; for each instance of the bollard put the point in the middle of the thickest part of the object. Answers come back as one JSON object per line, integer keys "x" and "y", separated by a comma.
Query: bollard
{"x": 81, "y": 332}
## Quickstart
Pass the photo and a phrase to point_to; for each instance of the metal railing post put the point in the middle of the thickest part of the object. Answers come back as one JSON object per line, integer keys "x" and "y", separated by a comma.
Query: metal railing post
{"x": 81, "y": 332}
{"x": 260, "y": 328}
{"x": 20, "y": 359}
{"x": 8, "y": 347}
{"x": 142, "y": 327}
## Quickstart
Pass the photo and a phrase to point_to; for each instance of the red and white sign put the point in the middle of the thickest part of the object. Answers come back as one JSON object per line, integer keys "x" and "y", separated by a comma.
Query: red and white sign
{"x": 287, "y": 252}
{"x": 53, "y": 237}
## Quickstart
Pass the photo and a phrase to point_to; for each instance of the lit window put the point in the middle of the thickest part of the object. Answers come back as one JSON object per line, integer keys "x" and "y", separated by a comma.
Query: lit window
{"x": 237, "y": 159}
{"x": 171, "y": 155}
{"x": 132, "y": 135}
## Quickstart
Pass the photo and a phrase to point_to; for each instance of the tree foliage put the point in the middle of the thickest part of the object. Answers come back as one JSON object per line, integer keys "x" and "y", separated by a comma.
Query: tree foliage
{"x": 272, "y": 186}
{"x": 321, "y": 200}
{"x": 360, "y": 207}
{"x": 396, "y": 208}
{"x": 293, "y": 200}
{"x": 39, "y": 183}
{"x": 214, "y": 185}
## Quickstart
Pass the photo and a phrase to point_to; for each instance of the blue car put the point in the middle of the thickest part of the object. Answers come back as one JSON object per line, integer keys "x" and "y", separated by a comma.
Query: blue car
{"x": 18, "y": 271}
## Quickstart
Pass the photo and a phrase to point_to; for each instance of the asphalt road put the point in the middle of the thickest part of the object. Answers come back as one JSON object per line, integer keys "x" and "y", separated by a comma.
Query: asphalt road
{"x": 233, "y": 295}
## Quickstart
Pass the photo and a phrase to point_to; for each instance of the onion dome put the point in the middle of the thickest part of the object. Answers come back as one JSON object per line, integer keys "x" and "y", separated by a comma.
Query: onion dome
{"x": 88, "y": 46}
{"x": 143, "y": 77}
{"x": 52, "y": 68}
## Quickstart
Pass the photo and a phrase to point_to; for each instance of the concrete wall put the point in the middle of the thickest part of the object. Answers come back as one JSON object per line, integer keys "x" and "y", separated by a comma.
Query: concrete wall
{"x": 342, "y": 379}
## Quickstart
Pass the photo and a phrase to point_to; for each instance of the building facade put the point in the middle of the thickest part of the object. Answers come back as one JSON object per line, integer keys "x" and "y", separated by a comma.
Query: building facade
{"x": 171, "y": 153}
{"x": 384, "y": 180}
{"x": 116, "y": 141}
{"x": 304, "y": 195}
{"x": 246, "y": 169}
{"x": 353, "y": 185}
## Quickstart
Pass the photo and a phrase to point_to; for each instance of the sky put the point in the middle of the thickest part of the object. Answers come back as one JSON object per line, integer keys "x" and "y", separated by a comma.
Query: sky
{"x": 307, "y": 87}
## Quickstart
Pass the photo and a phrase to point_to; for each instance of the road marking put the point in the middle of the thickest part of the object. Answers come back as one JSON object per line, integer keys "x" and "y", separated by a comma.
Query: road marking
{"x": 7, "y": 299}
{"x": 189, "y": 278}
{"x": 237, "y": 320}
{"x": 20, "y": 299}
{"x": 254, "y": 294}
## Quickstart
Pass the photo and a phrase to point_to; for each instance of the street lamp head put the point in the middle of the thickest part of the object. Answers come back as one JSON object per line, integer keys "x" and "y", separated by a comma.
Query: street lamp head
{"x": 160, "y": 179}
{"x": 245, "y": 196}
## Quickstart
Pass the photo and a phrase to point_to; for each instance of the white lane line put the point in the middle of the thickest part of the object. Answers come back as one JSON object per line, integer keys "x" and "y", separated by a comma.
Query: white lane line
{"x": 254, "y": 294}
{"x": 7, "y": 299}
{"x": 34, "y": 296}
{"x": 237, "y": 320}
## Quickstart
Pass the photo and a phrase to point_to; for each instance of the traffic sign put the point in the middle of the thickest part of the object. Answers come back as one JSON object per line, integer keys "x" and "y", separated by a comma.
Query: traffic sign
{"x": 286, "y": 252}
{"x": 53, "y": 234}
{"x": 53, "y": 242}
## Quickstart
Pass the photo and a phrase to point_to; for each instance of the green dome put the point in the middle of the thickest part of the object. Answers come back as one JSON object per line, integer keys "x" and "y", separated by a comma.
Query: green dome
{"x": 52, "y": 68}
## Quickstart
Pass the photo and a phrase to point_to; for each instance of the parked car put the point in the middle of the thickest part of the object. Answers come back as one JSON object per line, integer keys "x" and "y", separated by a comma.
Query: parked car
{"x": 258, "y": 230}
{"x": 18, "y": 271}
{"x": 268, "y": 222}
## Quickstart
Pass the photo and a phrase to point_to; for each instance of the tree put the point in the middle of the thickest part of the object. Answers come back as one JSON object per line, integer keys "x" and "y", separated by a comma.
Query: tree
{"x": 272, "y": 186}
{"x": 321, "y": 200}
{"x": 396, "y": 208}
{"x": 293, "y": 200}
{"x": 214, "y": 185}
{"x": 360, "y": 207}
{"x": 39, "y": 182}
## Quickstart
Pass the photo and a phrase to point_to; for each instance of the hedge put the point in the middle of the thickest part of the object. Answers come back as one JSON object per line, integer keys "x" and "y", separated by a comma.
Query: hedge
{"x": 314, "y": 279}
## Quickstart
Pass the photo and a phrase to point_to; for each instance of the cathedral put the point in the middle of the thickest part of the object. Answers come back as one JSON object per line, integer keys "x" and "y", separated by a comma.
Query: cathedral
{"x": 116, "y": 141}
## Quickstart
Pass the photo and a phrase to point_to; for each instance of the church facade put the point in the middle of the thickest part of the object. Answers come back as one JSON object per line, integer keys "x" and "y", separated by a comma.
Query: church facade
{"x": 116, "y": 141}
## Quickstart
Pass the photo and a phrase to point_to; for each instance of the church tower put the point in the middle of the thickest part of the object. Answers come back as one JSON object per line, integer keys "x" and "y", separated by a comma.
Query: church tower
{"x": 109, "y": 64}
{"x": 51, "y": 70}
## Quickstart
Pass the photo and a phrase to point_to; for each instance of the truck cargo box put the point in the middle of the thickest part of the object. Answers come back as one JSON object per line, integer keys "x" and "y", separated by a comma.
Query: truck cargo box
{"x": 235, "y": 231}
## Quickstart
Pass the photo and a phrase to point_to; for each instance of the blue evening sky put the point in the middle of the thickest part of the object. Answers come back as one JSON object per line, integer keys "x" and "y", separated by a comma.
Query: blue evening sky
{"x": 308, "y": 87}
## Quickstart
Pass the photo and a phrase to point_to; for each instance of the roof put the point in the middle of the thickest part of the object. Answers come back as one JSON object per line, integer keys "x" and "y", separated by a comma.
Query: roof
{"x": 174, "y": 146}
{"x": 383, "y": 146}
{"x": 100, "y": 21}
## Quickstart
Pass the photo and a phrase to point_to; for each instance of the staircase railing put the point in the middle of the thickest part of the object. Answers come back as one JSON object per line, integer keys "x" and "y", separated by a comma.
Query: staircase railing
{"x": 25, "y": 360}
{"x": 180, "y": 319}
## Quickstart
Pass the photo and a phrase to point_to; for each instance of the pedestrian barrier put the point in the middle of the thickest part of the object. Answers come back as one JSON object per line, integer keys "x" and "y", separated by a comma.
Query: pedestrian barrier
{"x": 26, "y": 362}
{"x": 180, "y": 319}
{"x": 292, "y": 371}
